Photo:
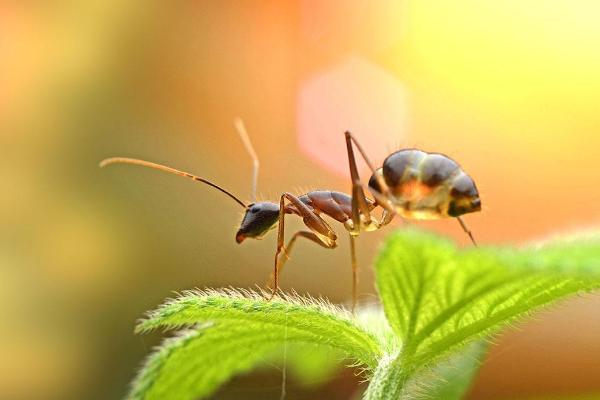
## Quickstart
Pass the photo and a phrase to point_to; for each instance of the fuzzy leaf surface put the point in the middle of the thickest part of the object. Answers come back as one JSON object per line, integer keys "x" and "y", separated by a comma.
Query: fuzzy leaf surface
{"x": 437, "y": 298}
{"x": 197, "y": 361}
{"x": 239, "y": 329}
{"x": 440, "y": 304}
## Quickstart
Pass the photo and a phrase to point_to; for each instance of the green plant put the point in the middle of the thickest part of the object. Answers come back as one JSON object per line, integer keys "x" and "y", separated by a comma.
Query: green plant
{"x": 441, "y": 304}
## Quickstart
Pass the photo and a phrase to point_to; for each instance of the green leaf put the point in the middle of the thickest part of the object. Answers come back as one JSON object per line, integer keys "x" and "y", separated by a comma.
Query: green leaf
{"x": 450, "y": 379}
{"x": 196, "y": 362}
{"x": 244, "y": 327}
{"x": 437, "y": 298}
{"x": 440, "y": 306}
{"x": 308, "y": 365}
{"x": 311, "y": 365}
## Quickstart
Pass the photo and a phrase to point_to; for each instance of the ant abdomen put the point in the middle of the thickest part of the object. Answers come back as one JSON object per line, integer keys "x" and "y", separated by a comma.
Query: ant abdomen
{"x": 426, "y": 185}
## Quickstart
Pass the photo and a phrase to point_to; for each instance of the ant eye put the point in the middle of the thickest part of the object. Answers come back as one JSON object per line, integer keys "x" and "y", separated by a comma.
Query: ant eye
{"x": 254, "y": 210}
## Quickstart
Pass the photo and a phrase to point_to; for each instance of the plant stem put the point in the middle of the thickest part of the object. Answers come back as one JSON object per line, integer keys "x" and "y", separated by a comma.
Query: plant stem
{"x": 388, "y": 380}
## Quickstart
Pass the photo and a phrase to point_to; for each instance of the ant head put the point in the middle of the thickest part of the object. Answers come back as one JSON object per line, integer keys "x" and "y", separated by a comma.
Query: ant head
{"x": 464, "y": 197}
{"x": 259, "y": 219}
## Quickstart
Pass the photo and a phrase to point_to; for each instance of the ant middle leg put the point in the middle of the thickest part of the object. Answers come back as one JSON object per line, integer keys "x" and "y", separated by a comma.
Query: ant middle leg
{"x": 385, "y": 190}
{"x": 354, "y": 272}
{"x": 361, "y": 214}
{"x": 359, "y": 201}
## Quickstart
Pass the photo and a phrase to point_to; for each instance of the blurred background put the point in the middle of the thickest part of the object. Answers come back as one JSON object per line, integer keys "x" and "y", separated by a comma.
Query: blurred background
{"x": 510, "y": 89}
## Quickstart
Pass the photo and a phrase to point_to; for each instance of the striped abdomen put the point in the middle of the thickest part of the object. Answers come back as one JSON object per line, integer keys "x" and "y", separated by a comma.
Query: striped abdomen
{"x": 427, "y": 185}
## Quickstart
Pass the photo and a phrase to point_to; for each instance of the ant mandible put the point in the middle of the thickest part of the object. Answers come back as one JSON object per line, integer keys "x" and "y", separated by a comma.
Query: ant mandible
{"x": 412, "y": 184}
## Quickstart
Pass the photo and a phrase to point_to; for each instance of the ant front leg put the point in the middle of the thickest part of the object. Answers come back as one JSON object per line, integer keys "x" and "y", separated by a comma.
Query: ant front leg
{"x": 287, "y": 249}
{"x": 321, "y": 230}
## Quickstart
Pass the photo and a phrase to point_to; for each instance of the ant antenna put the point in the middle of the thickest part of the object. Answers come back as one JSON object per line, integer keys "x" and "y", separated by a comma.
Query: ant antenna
{"x": 134, "y": 161}
{"x": 241, "y": 129}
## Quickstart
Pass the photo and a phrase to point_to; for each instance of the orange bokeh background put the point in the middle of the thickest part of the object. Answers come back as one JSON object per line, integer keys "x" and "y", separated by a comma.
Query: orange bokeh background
{"x": 509, "y": 89}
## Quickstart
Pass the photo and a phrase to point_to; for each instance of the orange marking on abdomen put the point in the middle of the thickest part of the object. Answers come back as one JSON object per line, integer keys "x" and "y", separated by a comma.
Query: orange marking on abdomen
{"x": 414, "y": 190}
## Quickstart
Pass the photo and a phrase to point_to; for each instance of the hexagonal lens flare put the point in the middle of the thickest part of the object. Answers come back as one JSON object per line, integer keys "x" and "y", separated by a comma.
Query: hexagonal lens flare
{"x": 356, "y": 95}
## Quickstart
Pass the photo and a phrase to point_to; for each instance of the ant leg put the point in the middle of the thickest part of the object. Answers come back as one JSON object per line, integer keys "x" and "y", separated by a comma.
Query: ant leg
{"x": 349, "y": 139}
{"x": 359, "y": 201}
{"x": 288, "y": 250}
{"x": 311, "y": 220}
{"x": 358, "y": 194}
{"x": 354, "y": 272}
{"x": 280, "y": 233}
{"x": 360, "y": 207}
{"x": 384, "y": 202}
{"x": 467, "y": 230}
{"x": 386, "y": 217}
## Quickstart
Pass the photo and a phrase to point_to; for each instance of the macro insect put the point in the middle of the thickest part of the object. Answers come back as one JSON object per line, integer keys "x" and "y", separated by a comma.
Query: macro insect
{"x": 411, "y": 183}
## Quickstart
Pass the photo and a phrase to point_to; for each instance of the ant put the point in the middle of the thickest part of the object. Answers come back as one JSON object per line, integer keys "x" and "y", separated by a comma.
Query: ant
{"x": 412, "y": 184}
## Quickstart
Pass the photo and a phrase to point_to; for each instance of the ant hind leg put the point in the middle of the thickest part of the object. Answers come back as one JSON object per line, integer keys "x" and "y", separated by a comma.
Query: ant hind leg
{"x": 467, "y": 230}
